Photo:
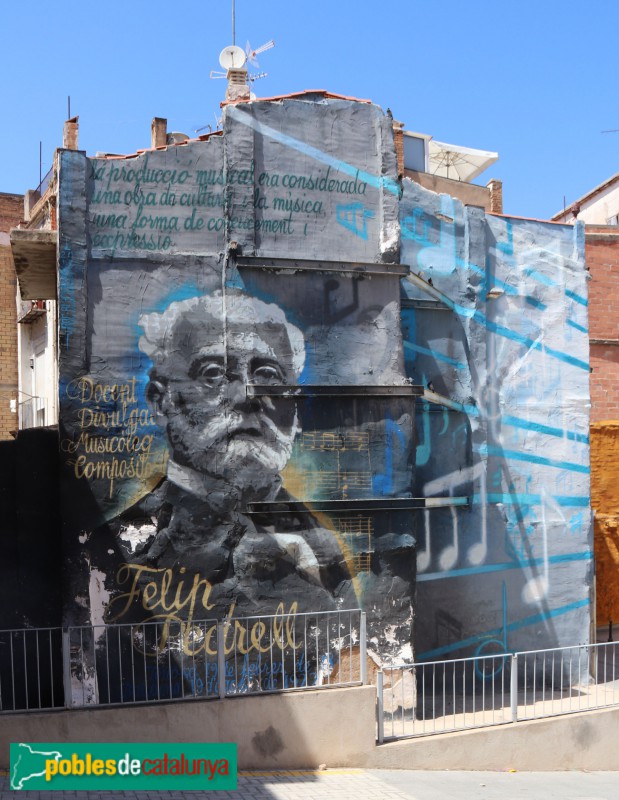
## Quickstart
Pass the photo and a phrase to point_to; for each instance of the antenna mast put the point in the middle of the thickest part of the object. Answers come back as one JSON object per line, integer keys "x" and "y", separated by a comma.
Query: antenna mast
{"x": 233, "y": 59}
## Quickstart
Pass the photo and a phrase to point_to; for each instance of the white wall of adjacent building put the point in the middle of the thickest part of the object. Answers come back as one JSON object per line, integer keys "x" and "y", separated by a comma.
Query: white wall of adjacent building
{"x": 601, "y": 209}
{"x": 38, "y": 366}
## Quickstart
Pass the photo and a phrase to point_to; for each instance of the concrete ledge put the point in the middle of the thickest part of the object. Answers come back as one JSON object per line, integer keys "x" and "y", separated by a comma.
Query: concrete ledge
{"x": 279, "y": 731}
{"x": 301, "y": 730}
{"x": 584, "y": 741}
{"x": 34, "y": 254}
{"x": 471, "y": 194}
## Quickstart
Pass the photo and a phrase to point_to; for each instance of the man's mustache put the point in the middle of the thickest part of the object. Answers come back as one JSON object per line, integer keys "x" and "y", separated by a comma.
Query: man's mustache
{"x": 233, "y": 424}
{"x": 264, "y": 427}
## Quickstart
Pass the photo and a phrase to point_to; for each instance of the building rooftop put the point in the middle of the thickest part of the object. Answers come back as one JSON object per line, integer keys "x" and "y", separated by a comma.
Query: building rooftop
{"x": 574, "y": 207}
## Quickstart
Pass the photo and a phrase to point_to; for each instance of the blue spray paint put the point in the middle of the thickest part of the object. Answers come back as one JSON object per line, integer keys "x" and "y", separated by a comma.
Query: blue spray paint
{"x": 354, "y": 217}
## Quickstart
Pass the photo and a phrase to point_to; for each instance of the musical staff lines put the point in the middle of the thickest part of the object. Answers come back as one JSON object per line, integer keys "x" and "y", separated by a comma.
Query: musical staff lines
{"x": 341, "y": 465}
{"x": 357, "y": 533}
{"x": 358, "y": 441}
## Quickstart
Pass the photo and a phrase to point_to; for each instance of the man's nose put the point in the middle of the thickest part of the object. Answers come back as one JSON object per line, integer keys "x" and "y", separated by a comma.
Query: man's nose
{"x": 236, "y": 395}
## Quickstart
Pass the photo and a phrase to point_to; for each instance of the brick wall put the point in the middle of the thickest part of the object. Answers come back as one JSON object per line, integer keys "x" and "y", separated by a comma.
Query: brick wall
{"x": 495, "y": 187}
{"x": 602, "y": 257}
{"x": 398, "y": 140}
{"x": 605, "y": 502}
{"x": 11, "y": 213}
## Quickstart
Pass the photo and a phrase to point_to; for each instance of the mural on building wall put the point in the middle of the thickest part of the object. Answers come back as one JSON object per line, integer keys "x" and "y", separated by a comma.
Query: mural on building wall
{"x": 505, "y": 348}
{"x": 237, "y": 404}
{"x": 224, "y": 456}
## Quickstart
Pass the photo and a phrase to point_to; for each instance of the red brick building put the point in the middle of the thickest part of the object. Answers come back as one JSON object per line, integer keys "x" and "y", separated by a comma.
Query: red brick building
{"x": 599, "y": 210}
{"x": 602, "y": 257}
{"x": 11, "y": 213}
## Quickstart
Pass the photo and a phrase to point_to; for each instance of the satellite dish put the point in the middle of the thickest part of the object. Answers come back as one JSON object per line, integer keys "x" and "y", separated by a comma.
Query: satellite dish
{"x": 176, "y": 137}
{"x": 232, "y": 57}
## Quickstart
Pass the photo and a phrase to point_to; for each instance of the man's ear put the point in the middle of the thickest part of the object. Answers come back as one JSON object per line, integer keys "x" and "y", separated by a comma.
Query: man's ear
{"x": 155, "y": 395}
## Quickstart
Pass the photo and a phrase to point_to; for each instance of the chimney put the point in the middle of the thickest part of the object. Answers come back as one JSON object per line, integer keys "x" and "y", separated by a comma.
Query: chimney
{"x": 238, "y": 88}
{"x": 158, "y": 132}
{"x": 496, "y": 196}
{"x": 69, "y": 134}
{"x": 398, "y": 140}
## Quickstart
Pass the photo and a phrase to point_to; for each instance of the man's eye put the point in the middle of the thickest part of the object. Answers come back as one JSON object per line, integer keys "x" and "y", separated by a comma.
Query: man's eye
{"x": 211, "y": 373}
{"x": 267, "y": 373}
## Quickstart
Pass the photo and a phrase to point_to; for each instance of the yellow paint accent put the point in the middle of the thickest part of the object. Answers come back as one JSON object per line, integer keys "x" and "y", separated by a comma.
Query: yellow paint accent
{"x": 294, "y": 484}
{"x": 299, "y": 773}
{"x": 605, "y": 504}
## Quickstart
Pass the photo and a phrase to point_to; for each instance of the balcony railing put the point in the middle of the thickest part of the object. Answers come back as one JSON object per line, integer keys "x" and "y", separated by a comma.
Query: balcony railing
{"x": 37, "y": 412}
{"x": 44, "y": 185}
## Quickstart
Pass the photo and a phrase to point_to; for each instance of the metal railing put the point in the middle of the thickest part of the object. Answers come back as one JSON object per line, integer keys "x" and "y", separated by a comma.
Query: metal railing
{"x": 439, "y": 696}
{"x": 175, "y": 660}
{"x": 565, "y": 680}
{"x": 31, "y": 669}
{"x": 37, "y": 412}
{"x": 45, "y": 181}
{"x": 298, "y": 651}
{"x": 140, "y": 663}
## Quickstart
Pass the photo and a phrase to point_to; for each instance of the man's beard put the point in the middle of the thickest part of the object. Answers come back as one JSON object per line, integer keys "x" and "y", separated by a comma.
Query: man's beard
{"x": 246, "y": 451}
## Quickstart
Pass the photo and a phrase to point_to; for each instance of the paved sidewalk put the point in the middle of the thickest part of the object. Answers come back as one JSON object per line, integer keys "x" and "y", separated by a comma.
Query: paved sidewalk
{"x": 356, "y": 784}
{"x": 335, "y": 784}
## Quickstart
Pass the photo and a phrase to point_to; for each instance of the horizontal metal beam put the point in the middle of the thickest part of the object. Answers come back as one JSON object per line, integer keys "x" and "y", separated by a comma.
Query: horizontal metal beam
{"x": 429, "y": 289}
{"x": 445, "y": 402}
{"x": 300, "y": 392}
{"x": 295, "y": 264}
{"x": 428, "y": 305}
{"x": 347, "y": 506}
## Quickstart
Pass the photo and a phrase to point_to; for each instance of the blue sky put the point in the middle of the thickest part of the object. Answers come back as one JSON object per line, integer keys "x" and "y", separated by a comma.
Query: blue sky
{"x": 535, "y": 81}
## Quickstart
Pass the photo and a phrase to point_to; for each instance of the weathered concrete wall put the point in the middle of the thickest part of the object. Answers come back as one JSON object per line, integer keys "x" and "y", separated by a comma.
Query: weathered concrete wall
{"x": 335, "y": 727}
{"x": 507, "y": 341}
{"x": 296, "y": 730}
{"x": 584, "y": 741}
{"x": 469, "y": 193}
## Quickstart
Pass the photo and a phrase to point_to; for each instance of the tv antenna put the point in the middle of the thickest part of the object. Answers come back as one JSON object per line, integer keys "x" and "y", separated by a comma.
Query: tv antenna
{"x": 251, "y": 54}
{"x": 233, "y": 61}
{"x": 234, "y": 57}
{"x": 251, "y": 77}
{"x": 218, "y": 123}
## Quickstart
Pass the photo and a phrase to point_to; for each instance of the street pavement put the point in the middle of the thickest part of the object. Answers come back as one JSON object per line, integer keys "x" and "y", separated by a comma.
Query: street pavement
{"x": 357, "y": 784}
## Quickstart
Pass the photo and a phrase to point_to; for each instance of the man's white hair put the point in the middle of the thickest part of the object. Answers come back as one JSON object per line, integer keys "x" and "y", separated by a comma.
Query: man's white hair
{"x": 266, "y": 320}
